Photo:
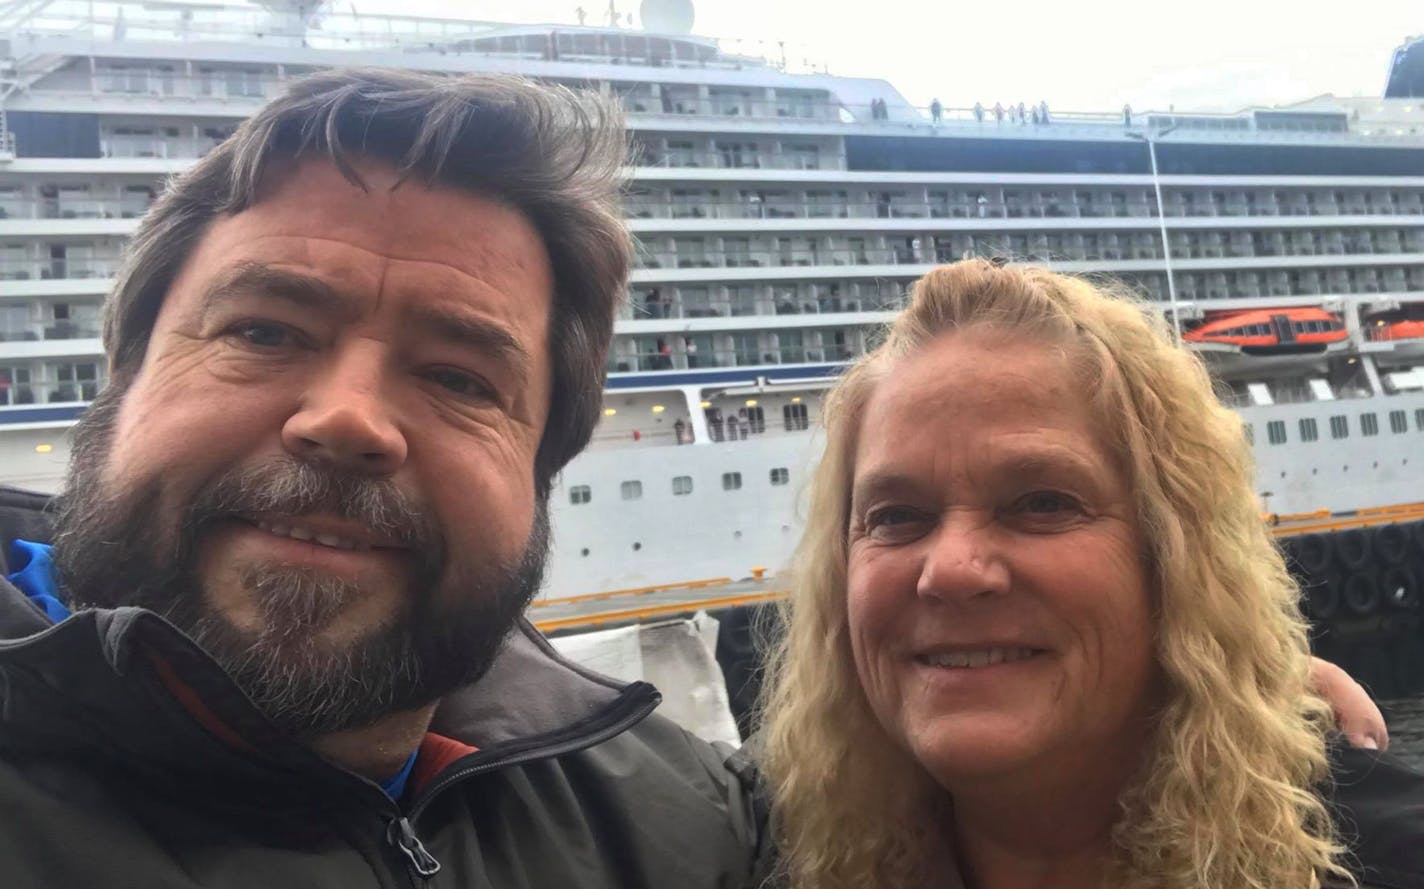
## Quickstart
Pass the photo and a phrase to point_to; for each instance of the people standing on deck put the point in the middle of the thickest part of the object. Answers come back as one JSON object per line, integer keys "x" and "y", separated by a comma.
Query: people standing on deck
{"x": 979, "y": 112}
{"x": 936, "y": 110}
{"x": 998, "y": 112}
{"x": 1043, "y": 112}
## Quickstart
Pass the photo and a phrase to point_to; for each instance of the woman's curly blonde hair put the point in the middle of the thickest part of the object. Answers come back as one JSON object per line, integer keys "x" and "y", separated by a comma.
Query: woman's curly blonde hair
{"x": 1225, "y": 798}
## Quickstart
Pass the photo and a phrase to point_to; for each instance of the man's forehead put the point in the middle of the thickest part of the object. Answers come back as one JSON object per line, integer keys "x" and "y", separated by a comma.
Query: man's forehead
{"x": 308, "y": 213}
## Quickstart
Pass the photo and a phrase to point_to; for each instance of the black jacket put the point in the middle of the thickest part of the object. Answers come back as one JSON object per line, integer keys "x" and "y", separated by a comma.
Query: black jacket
{"x": 129, "y": 759}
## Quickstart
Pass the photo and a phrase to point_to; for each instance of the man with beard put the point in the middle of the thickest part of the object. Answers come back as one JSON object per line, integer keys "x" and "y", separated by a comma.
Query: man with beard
{"x": 278, "y": 640}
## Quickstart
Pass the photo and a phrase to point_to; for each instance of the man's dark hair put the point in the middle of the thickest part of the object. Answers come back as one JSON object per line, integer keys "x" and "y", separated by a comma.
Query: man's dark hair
{"x": 551, "y": 153}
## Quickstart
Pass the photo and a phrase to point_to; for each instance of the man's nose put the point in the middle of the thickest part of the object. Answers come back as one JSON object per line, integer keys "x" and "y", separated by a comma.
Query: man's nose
{"x": 346, "y": 417}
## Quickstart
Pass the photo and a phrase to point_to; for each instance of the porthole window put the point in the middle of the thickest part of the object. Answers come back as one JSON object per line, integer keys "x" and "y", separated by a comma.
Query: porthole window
{"x": 632, "y": 490}
{"x": 780, "y": 475}
{"x": 731, "y": 481}
{"x": 580, "y": 494}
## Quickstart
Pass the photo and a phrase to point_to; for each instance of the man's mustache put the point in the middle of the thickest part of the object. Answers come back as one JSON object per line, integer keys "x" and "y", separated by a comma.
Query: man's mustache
{"x": 293, "y": 487}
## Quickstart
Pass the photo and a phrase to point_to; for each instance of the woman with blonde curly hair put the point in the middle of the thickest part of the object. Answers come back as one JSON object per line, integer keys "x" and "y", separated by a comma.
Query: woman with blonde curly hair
{"x": 1039, "y": 635}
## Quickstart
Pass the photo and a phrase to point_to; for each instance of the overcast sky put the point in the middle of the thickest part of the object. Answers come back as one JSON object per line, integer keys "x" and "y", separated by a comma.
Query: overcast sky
{"x": 1089, "y": 55}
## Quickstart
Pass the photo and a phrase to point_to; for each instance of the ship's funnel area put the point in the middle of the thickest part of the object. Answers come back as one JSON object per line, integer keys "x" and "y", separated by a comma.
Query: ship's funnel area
{"x": 667, "y": 16}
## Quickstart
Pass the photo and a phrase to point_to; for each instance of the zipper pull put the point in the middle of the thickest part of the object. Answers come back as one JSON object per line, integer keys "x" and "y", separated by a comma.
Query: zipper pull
{"x": 401, "y": 835}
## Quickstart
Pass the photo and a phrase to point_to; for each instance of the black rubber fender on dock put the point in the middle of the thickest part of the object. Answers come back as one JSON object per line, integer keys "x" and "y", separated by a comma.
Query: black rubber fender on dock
{"x": 1361, "y": 593}
{"x": 1407, "y": 656}
{"x": 1399, "y": 587}
{"x": 1391, "y": 544}
{"x": 1352, "y": 547}
{"x": 1416, "y": 537}
{"x": 1321, "y": 596}
{"x": 1312, "y": 552}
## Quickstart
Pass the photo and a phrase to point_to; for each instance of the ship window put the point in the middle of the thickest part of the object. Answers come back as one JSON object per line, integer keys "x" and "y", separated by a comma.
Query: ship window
{"x": 1308, "y": 432}
{"x": 794, "y": 416}
{"x": 1339, "y": 428}
{"x": 1250, "y": 434}
{"x": 632, "y": 490}
{"x": 780, "y": 475}
{"x": 580, "y": 494}
{"x": 1369, "y": 424}
{"x": 681, "y": 485}
{"x": 1276, "y": 432}
{"x": 1419, "y": 419}
{"x": 731, "y": 481}
{"x": 1398, "y": 422}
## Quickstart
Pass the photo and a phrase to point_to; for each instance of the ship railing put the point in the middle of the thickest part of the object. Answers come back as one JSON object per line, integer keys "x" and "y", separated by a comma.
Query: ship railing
{"x": 348, "y": 29}
{"x": 19, "y": 395}
{"x": 73, "y": 209}
{"x": 58, "y": 269}
{"x": 129, "y": 147}
{"x": 729, "y": 358}
{"x": 1065, "y": 207}
{"x": 56, "y": 330}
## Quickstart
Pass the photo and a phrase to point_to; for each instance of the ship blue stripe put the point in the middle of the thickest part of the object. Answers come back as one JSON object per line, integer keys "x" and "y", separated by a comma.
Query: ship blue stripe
{"x": 41, "y": 414}
{"x": 615, "y": 381}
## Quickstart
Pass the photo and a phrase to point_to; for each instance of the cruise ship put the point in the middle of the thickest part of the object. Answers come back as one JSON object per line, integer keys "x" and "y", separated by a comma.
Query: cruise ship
{"x": 780, "y": 212}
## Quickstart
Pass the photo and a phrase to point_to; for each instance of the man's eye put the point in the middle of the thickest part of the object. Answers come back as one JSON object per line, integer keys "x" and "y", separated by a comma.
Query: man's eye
{"x": 461, "y": 383}
{"x": 262, "y": 334}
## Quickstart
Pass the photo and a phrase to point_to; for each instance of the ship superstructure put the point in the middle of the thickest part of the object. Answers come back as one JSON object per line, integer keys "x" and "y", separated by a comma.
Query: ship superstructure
{"x": 780, "y": 214}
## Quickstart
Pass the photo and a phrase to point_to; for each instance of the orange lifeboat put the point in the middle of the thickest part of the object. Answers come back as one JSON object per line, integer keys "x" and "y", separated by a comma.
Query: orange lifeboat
{"x": 1272, "y": 331}
{"x": 1399, "y": 330}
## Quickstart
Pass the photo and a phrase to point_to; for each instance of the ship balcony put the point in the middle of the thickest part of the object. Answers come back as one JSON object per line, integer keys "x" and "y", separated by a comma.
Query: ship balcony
{"x": 655, "y": 216}
{"x": 58, "y": 277}
{"x": 22, "y": 395}
{"x": 909, "y": 263}
{"x": 50, "y": 341}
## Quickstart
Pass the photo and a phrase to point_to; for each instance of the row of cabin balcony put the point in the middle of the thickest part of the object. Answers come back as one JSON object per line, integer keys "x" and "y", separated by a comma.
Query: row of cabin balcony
{"x": 812, "y": 251}
{"x": 50, "y": 382}
{"x": 738, "y": 349}
{"x": 689, "y": 201}
{"x": 249, "y": 86}
{"x": 766, "y": 299}
{"x": 41, "y": 320}
{"x": 128, "y": 198}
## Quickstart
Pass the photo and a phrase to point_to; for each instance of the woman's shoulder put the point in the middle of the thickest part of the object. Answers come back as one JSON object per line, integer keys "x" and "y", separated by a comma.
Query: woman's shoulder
{"x": 1378, "y": 804}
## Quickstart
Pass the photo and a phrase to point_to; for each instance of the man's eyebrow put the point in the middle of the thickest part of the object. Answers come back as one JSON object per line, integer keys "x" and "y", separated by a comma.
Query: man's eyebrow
{"x": 260, "y": 279}
{"x": 473, "y": 333}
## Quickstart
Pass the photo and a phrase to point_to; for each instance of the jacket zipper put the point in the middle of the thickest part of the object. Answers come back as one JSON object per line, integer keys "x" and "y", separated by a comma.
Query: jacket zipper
{"x": 400, "y": 833}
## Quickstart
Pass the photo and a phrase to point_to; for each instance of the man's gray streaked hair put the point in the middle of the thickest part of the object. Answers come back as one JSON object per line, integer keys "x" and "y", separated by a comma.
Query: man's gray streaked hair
{"x": 553, "y": 154}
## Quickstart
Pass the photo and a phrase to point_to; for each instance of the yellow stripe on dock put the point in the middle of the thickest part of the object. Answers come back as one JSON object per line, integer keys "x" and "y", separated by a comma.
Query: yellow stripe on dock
{"x": 634, "y": 614}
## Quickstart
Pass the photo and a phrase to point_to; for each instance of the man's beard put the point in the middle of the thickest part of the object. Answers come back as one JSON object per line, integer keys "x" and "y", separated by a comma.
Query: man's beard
{"x": 115, "y": 547}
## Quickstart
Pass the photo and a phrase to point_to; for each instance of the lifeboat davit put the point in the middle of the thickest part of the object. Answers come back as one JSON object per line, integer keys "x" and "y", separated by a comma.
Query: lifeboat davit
{"x": 1272, "y": 331}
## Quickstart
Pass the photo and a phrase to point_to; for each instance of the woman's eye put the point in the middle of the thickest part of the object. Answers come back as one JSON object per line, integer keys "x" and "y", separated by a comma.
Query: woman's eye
{"x": 461, "y": 383}
{"x": 1048, "y": 507}
{"x": 894, "y": 522}
{"x": 1046, "y": 502}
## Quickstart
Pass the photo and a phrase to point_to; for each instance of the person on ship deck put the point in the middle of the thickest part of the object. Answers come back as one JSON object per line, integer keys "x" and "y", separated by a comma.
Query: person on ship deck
{"x": 1038, "y": 635}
